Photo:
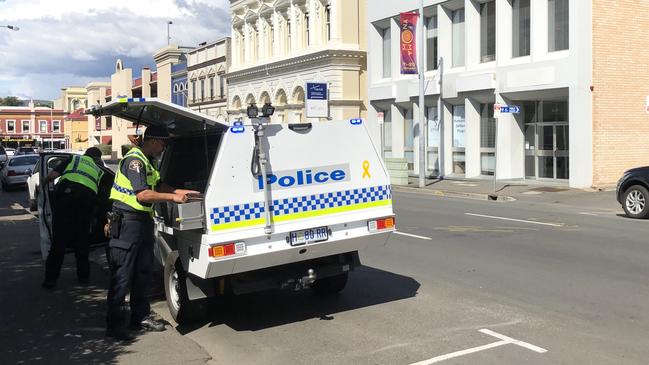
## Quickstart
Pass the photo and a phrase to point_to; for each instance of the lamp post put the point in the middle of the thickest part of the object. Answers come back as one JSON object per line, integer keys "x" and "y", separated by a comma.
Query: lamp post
{"x": 168, "y": 36}
{"x": 12, "y": 27}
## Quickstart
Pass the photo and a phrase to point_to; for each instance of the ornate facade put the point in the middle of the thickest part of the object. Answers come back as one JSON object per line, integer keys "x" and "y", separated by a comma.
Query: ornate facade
{"x": 280, "y": 45}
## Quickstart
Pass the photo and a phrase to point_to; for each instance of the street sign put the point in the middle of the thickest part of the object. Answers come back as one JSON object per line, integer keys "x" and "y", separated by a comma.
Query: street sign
{"x": 317, "y": 103}
{"x": 500, "y": 108}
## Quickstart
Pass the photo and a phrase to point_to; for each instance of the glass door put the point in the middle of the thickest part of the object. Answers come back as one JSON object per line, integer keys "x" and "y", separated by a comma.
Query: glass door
{"x": 549, "y": 160}
{"x": 459, "y": 133}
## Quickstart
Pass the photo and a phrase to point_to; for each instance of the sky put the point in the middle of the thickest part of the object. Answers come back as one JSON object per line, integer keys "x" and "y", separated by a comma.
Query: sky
{"x": 73, "y": 42}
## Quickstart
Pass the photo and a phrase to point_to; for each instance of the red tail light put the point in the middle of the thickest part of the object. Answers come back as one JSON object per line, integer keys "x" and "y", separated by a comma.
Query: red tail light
{"x": 381, "y": 224}
{"x": 11, "y": 173}
{"x": 228, "y": 249}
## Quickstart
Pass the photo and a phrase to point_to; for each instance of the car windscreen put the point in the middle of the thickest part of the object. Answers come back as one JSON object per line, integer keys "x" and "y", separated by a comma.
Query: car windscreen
{"x": 23, "y": 161}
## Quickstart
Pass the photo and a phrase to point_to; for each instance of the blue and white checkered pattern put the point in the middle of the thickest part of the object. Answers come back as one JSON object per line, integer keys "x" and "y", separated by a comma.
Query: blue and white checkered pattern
{"x": 307, "y": 203}
{"x": 123, "y": 190}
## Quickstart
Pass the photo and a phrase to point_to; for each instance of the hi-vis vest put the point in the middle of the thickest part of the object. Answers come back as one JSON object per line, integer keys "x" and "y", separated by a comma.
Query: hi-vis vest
{"x": 123, "y": 189}
{"x": 83, "y": 170}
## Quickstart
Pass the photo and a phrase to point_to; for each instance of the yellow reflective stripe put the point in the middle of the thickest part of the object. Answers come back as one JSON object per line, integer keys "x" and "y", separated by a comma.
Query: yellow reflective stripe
{"x": 303, "y": 215}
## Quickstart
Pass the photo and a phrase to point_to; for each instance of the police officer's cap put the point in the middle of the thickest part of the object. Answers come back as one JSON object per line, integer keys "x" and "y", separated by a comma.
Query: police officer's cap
{"x": 156, "y": 132}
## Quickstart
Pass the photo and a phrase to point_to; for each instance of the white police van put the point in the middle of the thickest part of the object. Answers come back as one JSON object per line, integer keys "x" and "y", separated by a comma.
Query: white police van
{"x": 285, "y": 205}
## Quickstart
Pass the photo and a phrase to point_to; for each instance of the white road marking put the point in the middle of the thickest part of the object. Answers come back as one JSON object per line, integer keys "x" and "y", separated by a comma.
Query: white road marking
{"x": 504, "y": 340}
{"x": 460, "y": 353}
{"x": 514, "y": 341}
{"x": 586, "y": 213}
{"x": 516, "y": 220}
{"x": 413, "y": 235}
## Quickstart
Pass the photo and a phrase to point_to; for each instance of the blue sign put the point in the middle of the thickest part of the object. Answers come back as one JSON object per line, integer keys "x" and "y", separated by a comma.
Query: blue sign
{"x": 514, "y": 109}
{"x": 316, "y": 91}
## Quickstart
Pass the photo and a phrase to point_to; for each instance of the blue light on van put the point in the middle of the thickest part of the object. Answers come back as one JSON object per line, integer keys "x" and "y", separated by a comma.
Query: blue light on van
{"x": 356, "y": 121}
{"x": 237, "y": 127}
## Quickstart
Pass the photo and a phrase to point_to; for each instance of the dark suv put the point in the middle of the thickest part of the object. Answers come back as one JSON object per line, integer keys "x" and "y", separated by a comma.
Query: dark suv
{"x": 633, "y": 192}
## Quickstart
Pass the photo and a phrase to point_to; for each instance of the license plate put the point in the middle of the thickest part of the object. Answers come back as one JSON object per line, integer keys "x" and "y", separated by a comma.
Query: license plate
{"x": 310, "y": 235}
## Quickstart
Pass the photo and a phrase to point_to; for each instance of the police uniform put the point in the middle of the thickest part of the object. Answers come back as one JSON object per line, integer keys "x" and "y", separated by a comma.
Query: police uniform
{"x": 76, "y": 197}
{"x": 131, "y": 246}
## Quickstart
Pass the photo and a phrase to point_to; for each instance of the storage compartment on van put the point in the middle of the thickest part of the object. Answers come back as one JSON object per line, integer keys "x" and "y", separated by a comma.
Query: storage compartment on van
{"x": 187, "y": 164}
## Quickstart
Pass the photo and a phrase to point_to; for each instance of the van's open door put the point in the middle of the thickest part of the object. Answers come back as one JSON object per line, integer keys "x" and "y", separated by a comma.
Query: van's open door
{"x": 45, "y": 201}
{"x": 153, "y": 111}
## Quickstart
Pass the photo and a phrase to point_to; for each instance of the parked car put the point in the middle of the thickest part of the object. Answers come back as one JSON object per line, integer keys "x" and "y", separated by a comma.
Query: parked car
{"x": 17, "y": 171}
{"x": 25, "y": 151}
{"x": 633, "y": 192}
{"x": 3, "y": 156}
{"x": 33, "y": 181}
{"x": 10, "y": 151}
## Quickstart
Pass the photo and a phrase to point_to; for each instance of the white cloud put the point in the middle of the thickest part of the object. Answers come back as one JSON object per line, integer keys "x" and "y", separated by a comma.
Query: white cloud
{"x": 80, "y": 42}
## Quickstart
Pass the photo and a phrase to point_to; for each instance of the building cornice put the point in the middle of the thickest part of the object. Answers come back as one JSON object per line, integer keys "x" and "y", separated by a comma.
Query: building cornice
{"x": 325, "y": 56}
{"x": 206, "y": 63}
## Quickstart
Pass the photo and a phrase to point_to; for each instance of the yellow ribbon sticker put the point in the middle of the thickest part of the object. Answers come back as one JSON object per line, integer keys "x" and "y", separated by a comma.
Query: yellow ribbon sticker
{"x": 366, "y": 169}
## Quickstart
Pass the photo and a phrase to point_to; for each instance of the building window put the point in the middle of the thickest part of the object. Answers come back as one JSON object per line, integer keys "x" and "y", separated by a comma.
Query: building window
{"x": 288, "y": 37}
{"x": 202, "y": 89}
{"x": 387, "y": 134}
{"x": 109, "y": 123}
{"x": 431, "y": 43}
{"x": 11, "y": 126}
{"x": 458, "y": 37}
{"x": 488, "y": 31}
{"x": 409, "y": 139}
{"x": 193, "y": 91}
{"x": 520, "y": 28}
{"x": 328, "y": 21}
{"x": 25, "y": 126}
{"x": 487, "y": 139}
{"x": 56, "y": 126}
{"x": 387, "y": 52}
{"x": 459, "y": 134}
{"x": 212, "y": 87}
{"x": 558, "y": 25}
{"x": 307, "y": 28}
{"x": 222, "y": 86}
{"x": 43, "y": 126}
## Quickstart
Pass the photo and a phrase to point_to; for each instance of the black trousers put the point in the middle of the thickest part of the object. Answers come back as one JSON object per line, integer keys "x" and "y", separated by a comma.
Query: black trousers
{"x": 131, "y": 263}
{"x": 72, "y": 213}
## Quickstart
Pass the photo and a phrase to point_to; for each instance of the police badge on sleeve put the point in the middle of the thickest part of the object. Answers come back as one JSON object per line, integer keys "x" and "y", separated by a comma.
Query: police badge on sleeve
{"x": 135, "y": 165}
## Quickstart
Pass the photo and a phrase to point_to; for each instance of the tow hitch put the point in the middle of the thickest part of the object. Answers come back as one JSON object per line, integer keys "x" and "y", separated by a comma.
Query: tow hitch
{"x": 304, "y": 282}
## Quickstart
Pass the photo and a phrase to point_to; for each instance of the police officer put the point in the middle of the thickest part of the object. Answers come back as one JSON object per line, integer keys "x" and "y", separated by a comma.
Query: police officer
{"x": 76, "y": 197}
{"x": 135, "y": 189}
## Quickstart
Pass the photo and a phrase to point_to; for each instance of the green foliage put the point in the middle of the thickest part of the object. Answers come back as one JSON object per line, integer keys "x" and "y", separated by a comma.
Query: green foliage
{"x": 126, "y": 148}
{"x": 10, "y": 101}
{"x": 105, "y": 149}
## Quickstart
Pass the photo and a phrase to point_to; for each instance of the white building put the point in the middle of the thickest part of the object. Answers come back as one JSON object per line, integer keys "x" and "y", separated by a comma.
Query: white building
{"x": 536, "y": 54}
{"x": 280, "y": 45}
{"x": 206, "y": 69}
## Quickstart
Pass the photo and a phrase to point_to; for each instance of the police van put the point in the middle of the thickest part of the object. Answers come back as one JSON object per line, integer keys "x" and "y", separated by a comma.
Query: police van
{"x": 282, "y": 206}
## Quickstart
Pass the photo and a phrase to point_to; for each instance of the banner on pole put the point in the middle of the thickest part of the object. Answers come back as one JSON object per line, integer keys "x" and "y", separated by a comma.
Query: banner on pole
{"x": 408, "y": 42}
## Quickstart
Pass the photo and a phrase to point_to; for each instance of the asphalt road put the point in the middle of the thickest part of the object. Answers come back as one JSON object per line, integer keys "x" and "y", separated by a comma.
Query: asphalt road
{"x": 566, "y": 284}
{"x": 567, "y": 280}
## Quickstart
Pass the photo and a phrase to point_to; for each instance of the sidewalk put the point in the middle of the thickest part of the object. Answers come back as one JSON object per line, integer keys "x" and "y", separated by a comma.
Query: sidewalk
{"x": 66, "y": 326}
{"x": 528, "y": 191}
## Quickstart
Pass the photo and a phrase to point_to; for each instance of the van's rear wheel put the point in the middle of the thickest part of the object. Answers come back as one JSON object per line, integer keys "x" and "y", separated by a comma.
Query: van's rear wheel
{"x": 181, "y": 308}
{"x": 331, "y": 285}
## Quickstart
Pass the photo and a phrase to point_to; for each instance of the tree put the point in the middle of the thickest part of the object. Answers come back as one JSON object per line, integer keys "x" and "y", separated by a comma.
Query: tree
{"x": 10, "y": 101}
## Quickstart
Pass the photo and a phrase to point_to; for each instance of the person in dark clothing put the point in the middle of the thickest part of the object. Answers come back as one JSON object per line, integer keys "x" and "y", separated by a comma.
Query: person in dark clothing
{"x": 135, "y": 189}
{"x": 76, "y": 198}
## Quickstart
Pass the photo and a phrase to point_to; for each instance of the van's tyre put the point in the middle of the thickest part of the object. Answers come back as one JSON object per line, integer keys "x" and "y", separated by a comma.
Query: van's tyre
{"x": 331, "y": 285}
{"x": 636, "y": 202}
{"x": 181, "y": 308}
